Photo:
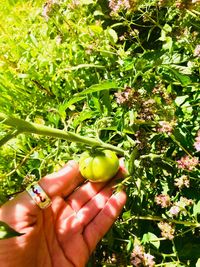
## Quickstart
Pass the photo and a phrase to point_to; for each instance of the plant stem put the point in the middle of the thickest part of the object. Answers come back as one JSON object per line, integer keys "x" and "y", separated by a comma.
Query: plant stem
{"x": 28, "y": 127}
{"x": 156, "y": 218}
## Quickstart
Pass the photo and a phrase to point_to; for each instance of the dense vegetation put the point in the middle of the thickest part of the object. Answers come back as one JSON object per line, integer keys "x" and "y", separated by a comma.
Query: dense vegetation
{"x": 123, "y": 72}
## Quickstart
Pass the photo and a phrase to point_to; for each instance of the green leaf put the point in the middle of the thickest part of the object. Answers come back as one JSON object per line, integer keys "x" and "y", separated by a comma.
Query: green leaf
{"x": 167, "y": 28}
{"x": 168, "y": 43}
{"x": 72, "y": 101}
{"x": 86, "y": 2}
{"x": 196, "y": 208}
{"x": 7, "y": 232}
{"x": 131, "y": 164}
{"x": 113, "y": 35}
{"x": 84, "y": 115}
{"x": 107, "y": 85}
{"x": 152, "y": 239}
{"x": 126, "y": 215}
{"x": 180, "y": 100}
{"x": 96, "y": 29}
{"x": 106, "y": 102}
{"x": 183, "y": 79}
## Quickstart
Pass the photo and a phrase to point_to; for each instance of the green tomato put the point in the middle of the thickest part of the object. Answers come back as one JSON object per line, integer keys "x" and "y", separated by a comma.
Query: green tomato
{"x": 100, "y": 166}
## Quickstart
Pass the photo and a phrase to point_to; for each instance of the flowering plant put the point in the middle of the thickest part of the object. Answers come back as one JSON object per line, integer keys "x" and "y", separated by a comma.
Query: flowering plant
{"x": 116, "y": 74}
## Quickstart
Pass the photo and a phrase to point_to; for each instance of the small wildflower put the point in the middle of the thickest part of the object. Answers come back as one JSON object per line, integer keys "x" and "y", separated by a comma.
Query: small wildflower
{"x": 58, "y": 39}
{"x": 147, "y": 110}
{"x": 167, "y": 230}
{"x": 197, "y": 142}
{"x": 137, "y": 255}
{"x": 197, "y": 51}
{"x": 122, "y": 38}
{"x": 149, "y": 260}
{"x": 163, "y": 200}
{"x": 179, "y": 207}
{"x": 118, "y": 5}
{"x": 183, "y": 202}
{"x": 165, "y": 127}
{"x": 126, "y": 97}
{"x": 187, "y": 163}
{"x": 174, "y": 211}
{"x": 182, "y": 181}
{"x": 140, "y": 258}
{"x": 48, "y": 8}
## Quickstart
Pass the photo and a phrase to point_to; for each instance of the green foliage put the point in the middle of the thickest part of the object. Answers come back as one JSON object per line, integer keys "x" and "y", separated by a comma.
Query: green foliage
{"x": 6, "y": 231}
{"x": 125, "y": 73}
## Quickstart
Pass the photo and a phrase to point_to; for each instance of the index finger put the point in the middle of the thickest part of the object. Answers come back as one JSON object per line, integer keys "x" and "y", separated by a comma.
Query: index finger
{"x": 60, "y": 183}
{"x": 63, "y": 182}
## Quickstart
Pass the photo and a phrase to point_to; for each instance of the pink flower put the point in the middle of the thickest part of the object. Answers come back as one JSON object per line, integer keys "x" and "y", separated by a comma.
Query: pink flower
{"x": 180, "y": 207}
{"x": 197, "y": 51}
{"x": 140, "y": 258}
{"x": 167, "y": 230}
{"x": 182, "y": 181}
{"x": 149, "y": 260}
{"x": 188, "y": 163}
{"x": 118, "y": 5}
{"x": 174, "y": 210}
{"x": 197, "y": 142}
{"x": 163, "y": 200}
{"x": 166, "y": 127}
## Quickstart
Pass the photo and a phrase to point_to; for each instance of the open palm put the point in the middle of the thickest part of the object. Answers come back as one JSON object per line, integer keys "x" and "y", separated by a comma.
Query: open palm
{"x": 66, "y": 233}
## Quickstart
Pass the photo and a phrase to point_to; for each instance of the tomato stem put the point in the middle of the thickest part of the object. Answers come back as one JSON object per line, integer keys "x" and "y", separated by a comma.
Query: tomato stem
{"x": 23, "y": 126}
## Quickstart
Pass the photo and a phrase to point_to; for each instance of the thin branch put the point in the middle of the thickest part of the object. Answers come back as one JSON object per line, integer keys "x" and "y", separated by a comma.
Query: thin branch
{"x": 23, "y": 126}
{"x": 157, "y": 218}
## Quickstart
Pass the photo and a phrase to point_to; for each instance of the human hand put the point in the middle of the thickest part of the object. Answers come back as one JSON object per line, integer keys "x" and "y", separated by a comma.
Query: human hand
{"x": 66, "y": 233}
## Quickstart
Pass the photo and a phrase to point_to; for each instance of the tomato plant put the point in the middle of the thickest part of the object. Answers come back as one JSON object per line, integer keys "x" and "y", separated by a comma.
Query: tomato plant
{"x": 120, "y": 76}
{"x": 99, "y": 166}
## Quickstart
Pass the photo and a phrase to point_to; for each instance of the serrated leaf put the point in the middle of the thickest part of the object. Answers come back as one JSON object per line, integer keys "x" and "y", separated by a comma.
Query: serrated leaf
{"x": 84, "y": 115}
{"x": 99, "y": 87}
{"x": 182, "y": 69}
{"x": 72, "y": 101}
{"x": 183, "y": 79}
{"x": 7, "y": 232}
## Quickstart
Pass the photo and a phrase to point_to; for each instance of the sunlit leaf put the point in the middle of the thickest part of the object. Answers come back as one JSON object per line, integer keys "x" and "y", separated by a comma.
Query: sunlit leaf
{"x": 151, "y": 238}
{"x": 107, "y": 85}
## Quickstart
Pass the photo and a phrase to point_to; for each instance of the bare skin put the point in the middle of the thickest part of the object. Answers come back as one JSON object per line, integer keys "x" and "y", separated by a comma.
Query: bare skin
{"x": 66, "y": 233}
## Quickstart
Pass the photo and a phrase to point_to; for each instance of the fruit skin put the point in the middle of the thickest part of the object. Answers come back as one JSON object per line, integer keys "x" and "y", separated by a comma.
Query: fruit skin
{"x": 100, "y": 166}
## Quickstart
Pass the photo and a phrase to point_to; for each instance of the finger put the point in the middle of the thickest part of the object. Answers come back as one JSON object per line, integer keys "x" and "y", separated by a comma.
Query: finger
{"x": 63, "y": 182}
{"x": 60, "y": 183}
{"x": 98, "y": 227}
{"x": 90, "y": 210}
{"x": 88, "y": 190}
